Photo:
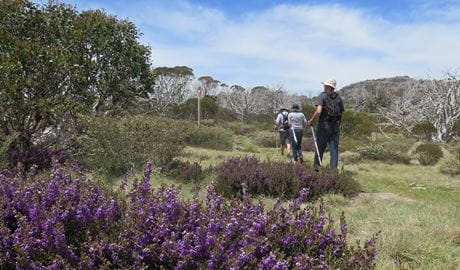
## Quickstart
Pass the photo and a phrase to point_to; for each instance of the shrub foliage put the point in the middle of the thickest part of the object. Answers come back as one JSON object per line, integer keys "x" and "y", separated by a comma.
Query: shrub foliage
{"x": 278, "y": 179}
{"x": 61, "y": 222}
{"x": 210, "y": 137}
{"x": 385, "y": 154}
{"x": 184, "y": 171}
{"x": 115, "y": 144}
{"x": 429, "y": 153}
{"x": 451, "y": 165}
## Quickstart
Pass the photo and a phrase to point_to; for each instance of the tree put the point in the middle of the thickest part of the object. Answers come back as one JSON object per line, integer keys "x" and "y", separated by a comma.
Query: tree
{"x": 209, "y": 85}
{"x": 189, "y": 109}
{"x": 435, "y": 101}
{"x": 241, "y": 100}
{"x": 170, "y": 87}
{"x": 115, "y": 66}
{"x": 56, "y": 63}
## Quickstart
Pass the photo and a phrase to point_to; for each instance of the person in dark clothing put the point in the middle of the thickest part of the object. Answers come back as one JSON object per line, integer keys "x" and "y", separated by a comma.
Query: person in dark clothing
{"x": 329, "y": 109}
{"x": 297, "y": 123}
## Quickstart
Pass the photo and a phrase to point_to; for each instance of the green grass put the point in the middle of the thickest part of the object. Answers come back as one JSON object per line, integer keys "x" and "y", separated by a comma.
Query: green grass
{"x": 419, "y": 222}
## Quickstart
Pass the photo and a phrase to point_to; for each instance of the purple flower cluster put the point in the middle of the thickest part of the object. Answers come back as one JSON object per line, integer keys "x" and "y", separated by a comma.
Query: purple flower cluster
{"x": 61, "y": 222}
{"x": 279, "y": 179}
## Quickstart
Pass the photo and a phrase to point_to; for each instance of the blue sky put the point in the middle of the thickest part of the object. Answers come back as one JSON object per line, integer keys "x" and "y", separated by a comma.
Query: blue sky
{"x": 296, "y": 43}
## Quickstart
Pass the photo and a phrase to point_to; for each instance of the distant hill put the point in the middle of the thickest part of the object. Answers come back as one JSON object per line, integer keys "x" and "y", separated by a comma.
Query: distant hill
{"x": 370, "y": 94}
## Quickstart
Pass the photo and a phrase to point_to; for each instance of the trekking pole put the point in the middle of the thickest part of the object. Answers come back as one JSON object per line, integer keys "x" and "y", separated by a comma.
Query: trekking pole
{"x": 316, "y": 146}
{"x": 293, "y": 135}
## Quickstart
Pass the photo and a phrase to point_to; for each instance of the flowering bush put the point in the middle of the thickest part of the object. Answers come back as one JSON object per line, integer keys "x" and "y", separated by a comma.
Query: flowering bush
{"x": 184, "y": 171}
{"x": 279, "y": 179}
{"x": 61, "y": 222}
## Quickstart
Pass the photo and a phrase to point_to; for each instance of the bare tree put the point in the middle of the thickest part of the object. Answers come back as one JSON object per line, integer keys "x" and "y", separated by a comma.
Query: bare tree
{"x": 240, "y": 100}
{"x": 171, "y": 87}
{"x": 436, "y": 101}
{"x": 209, "y": 85}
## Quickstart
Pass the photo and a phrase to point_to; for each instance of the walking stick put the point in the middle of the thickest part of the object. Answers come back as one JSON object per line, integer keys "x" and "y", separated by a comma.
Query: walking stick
{"x": 293, "y": 135}
{"x": 316, "y": 146}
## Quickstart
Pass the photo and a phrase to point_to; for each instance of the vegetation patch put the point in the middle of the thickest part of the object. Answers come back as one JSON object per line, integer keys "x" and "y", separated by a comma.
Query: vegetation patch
{"x": 286, "y": 180}
{"x": 451, "y": 165}
{"x": 379, "y": 152}
{"x": 429, "y": 154}
{"x": 113, "y": 145}
{"x": 184, "y": 171}
{"x": 210, "y": 137}
{"x": 63, "y": 222}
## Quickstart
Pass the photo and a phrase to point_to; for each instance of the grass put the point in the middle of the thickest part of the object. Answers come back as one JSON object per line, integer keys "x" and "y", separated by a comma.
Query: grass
{"x": 419, "y": 222}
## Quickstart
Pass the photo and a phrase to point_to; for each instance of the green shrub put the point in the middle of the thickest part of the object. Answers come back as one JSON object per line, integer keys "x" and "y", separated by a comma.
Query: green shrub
{"x": 379, "y": 152}
{"x": 451, "y": 165}
{"x": 189, "y": 109}
{"x": 211, "y": 138}
{"x": 265, "y": 139}
{"x": 424, "y": 130}
{"x": 429, "y": 154}
{"x": 396, "y": 142}
{"x": 225, "y": 115}
{"x": 350, "y": 158}
{"x": 112, "y": 145}
{"x": 358, "y": 124}
{"x": 351, "y": 144}
{"x": 5, "y": 144}
{"x": 240, "y": 129}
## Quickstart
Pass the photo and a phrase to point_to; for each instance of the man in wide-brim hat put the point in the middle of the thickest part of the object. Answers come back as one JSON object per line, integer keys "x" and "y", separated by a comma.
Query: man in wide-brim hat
{"x": 329, "y": 109}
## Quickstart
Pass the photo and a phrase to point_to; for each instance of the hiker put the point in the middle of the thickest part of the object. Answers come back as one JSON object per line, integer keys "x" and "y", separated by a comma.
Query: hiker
{"x": 329, "y": 108}
{"x": 282, "y": 125}
{"x": 297, "y": 123}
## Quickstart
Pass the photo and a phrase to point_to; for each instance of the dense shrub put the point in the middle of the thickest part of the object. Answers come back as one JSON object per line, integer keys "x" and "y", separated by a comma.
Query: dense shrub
{"x": 40, "y": 157}
{"x": 429, "y": 153}
{"x": 225, "y": 115}
{"x": 350, "y": 158}
{"x": 351, "y": 144}
{"x": 240, "y": 129}
{"x": 451, "y": 165}
{"x": 189, "y": 109}
{"x": 61, "y": 222}
{"x": 115, "y": 144}
{"x": 210, "y": 137}
{"x": 277, "y": 179}
{"x": 378, "y": 152}
{"x": 358, "y": 124}
{"x": 424, "y": 130}
{"x": 184, "y": 171}
{"x": 266, "y": 139}
{"x": 394, "y": 142}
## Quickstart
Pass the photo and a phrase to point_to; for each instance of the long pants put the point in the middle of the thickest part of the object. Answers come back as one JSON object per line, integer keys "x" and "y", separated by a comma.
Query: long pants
{"x": 328, "y": 133}
{"x": 297, "y": 147}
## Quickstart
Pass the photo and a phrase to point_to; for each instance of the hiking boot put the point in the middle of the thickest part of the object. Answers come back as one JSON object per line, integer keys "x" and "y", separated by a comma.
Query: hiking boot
{"x": 301, "y": 160}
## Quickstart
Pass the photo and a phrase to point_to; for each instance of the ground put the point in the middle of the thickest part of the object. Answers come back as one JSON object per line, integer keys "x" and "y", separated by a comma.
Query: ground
{"x": 416, "y": 208}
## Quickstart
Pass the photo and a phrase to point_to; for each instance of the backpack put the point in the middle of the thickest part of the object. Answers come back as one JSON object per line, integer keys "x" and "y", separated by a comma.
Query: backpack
{"x": 285, "y": 122}
{"x": 333, "y": 106}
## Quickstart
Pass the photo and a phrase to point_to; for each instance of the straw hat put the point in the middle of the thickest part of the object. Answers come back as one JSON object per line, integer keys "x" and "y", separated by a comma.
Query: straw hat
{"x": 331, "y": 82}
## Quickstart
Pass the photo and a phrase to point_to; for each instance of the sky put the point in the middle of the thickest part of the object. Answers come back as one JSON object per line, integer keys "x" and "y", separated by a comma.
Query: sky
{"x": 296, "y": 43}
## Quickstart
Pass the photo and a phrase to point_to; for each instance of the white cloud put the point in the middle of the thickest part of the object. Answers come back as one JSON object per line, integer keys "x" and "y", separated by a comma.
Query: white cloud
{"x": 297, "y": 45}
